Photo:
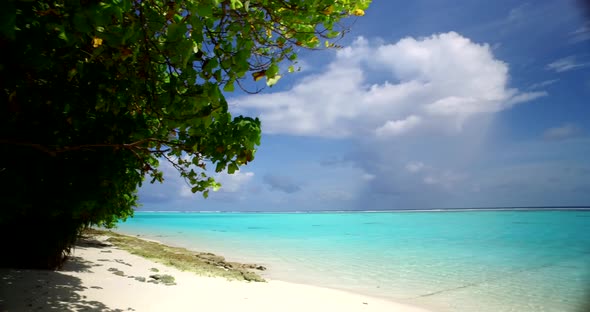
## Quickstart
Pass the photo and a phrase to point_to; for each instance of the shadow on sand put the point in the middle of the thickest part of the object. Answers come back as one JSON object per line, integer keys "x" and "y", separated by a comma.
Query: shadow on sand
{"x": 40, "y": 290}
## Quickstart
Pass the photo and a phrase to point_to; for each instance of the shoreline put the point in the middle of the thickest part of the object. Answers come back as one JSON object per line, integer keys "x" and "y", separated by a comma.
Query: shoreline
{"x": 101, "y": 276}
{"x": 272, "y": 270}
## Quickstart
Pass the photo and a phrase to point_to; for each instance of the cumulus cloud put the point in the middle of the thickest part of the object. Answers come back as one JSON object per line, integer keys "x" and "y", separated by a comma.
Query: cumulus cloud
{"x": 398, "y": 127}
{"x": 176, "y": 190}
{"x": 562, "y": 132}
{"x": 172, "y": 188}
{"x": 433, "y": 83}
{"x": 281, "y": 183}
{"x": 230, "y": 183}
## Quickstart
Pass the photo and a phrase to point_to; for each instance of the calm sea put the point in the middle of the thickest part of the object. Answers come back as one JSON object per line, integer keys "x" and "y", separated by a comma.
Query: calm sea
{"x": 446, "y": 261}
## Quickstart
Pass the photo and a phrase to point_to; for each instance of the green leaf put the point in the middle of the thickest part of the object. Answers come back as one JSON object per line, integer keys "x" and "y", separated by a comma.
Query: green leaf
{"x": 176, "y": 32}
{"x": 229, "y": 87}
{"x": 81, "y": 23}
{"x": 272, "y": 70}
{"x": 232, "y": 168}
{"x": 195, "y": 160}
{"x": 62, "y": 35}
{"x": 210, "y": 65}
{"x": 236, "y": 4}
{"x": 272, "y": 81}
{"x": 204, "y": 10}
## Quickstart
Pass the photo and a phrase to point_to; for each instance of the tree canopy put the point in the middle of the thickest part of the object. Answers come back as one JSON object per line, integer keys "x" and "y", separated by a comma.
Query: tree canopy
{"x": 96, "y": 93}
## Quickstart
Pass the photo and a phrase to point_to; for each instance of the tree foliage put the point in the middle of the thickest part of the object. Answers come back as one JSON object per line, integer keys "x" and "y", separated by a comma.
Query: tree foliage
{"x": 96, "y": 93}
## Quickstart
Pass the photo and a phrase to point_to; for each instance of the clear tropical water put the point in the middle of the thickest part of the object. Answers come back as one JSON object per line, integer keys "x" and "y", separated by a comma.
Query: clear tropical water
{"x": 445, "y": 261}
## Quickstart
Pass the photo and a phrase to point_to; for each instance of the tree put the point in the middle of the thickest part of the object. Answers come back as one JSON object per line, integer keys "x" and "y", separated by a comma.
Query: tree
{"x": 97, "y": 93}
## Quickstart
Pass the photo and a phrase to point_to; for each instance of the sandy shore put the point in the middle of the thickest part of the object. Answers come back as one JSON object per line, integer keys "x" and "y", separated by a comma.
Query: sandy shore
{"x": 105, "y": 278}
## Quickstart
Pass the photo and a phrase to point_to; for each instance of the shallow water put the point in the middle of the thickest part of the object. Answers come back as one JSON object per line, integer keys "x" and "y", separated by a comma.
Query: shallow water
{"x": 446, "y": 261}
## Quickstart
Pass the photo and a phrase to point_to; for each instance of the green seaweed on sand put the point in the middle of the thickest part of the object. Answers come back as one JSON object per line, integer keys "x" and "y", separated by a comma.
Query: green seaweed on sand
{"x": 201, "y": 263}
{"x": 163, "y": 279}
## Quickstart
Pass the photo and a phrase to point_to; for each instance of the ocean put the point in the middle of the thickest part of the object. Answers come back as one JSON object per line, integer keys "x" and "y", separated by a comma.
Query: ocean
{"x": 441, "y": 260}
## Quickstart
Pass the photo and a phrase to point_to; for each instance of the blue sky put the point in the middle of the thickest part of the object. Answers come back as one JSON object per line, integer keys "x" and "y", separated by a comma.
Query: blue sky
{"x": 433, "y": 104}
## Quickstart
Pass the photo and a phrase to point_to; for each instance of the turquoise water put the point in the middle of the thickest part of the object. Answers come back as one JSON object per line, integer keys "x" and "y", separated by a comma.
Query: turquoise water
{"x": 445, "y": 261}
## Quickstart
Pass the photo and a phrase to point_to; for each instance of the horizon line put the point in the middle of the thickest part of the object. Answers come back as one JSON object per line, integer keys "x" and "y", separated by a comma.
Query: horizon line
{"x": 515, "y": 208}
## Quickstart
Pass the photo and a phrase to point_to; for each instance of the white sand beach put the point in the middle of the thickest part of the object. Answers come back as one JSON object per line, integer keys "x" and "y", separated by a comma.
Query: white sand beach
{"x": 106, "y": 278}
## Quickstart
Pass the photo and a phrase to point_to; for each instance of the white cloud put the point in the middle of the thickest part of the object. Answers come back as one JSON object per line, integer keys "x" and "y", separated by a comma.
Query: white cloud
{"x": 398, "y": 127}
{"x": 525, "y": 97}
{"x": 543, "y": 84}
{"x": 581, "y": 34}
{"x": 185, "y": 191}
{"x": 435, "y": 83}
{"x": 446, "y": 179}
{"x": 430, "y": 180}
{"x": 566, "y": 64}
{"x": 414, "y": 166}
{"x": 562, "y": 132}
{"x": 230, "y": 183}
{"x": 517, "y": 14}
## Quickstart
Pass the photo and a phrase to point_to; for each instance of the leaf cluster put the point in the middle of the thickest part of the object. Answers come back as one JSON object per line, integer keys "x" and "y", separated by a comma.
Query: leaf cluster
{"x": 95, "y": 94}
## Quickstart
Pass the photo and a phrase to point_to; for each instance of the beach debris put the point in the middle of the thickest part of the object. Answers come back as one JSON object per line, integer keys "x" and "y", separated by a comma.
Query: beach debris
{"x": 116, "y": 271}
{"x": 255, "y": 267}
{"x": 163, "y": 279}
{"x": 250, "y": 276}
{"x": 122, "y": 262}
{"x": 154, "y": 270}
{"x": 140, "y": 278}
{"x": 95, "y": 242}
{"x": 220, "y": 262}
{"x": 251, "y": 266}
{"x": 210, "y": 258}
